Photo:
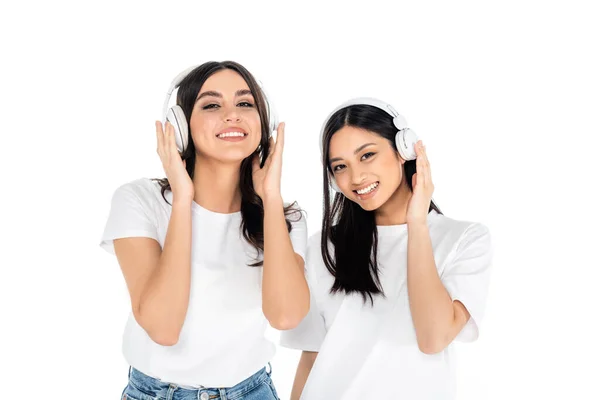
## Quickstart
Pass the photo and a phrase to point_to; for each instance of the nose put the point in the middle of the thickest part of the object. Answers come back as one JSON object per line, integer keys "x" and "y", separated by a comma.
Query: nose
{"x": 358, "y": 176}
{"x": 232, "y": 114}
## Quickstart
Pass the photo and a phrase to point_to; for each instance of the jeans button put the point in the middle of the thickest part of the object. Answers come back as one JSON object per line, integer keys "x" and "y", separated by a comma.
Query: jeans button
{"x": 204, "y": 396}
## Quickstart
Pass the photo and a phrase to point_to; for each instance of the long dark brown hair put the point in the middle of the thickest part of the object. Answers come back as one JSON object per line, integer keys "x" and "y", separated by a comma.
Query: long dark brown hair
{"x": 252, "y": 207}
{"x": 346, "y": 225}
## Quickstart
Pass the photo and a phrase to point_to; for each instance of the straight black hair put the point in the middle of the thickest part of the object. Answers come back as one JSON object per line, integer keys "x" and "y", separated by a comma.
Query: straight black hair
{"x": 351, "y": 230}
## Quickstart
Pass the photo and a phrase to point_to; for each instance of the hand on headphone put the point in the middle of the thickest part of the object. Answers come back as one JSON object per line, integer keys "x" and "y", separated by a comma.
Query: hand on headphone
{"x": 418, "y": 206}
{"x": 267, "y": 180}
{"x": 180, "y": 181}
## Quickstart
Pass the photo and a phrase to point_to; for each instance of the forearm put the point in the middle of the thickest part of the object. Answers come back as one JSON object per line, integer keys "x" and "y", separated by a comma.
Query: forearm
{"x": 307, "y": 360}
{"x": 430, "y": 305}
{"x": 285, "y": 294}
{"x": 164, "y": 301}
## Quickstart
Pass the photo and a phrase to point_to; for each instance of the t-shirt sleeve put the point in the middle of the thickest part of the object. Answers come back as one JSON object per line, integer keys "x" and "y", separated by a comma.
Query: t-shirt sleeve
{"x": 310, "y": 333}
{"x": 467, "y": 277}
{"x": 130, "y": 216}
{"x": 298, "y": 234}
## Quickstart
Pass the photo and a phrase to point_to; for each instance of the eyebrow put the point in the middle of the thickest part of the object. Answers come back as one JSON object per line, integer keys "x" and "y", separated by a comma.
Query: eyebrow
{"x": 355, "y": 152}
{"x": 212, "y": 93}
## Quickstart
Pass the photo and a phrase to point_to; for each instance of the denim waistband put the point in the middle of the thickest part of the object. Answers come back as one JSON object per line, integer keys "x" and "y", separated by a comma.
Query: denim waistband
{"x": 157, "y": 388}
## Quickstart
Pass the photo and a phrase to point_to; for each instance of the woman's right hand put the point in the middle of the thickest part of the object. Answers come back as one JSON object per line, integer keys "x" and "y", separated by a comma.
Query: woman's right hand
{"x": 180, "y": 181}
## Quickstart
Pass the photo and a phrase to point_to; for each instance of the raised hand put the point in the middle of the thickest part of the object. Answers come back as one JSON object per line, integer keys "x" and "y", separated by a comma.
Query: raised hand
{"x": 418, "y": 206}
{"x": 180, "y": 181}
{"x": 267, "y": 180}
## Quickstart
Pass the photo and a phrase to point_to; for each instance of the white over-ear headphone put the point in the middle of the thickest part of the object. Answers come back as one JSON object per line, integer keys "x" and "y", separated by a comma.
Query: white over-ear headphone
{"x": 405, "y": 138}
{"x": 176, "y": 117}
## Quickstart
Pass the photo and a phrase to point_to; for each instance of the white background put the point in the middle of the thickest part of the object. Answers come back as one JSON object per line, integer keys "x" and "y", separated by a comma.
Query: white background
{"x": 506, "y": 96}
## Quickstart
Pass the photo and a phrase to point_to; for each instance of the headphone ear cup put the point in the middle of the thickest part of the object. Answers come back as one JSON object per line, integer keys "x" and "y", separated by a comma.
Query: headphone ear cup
{"x": 405, "y": 143}
{"x": 273, "y": 118}
{"x": 333, "y": 185}
{"x": 271, "y": 112}
{"x": 400, "y": 122}
{"x": 176, "y": 117}
{"x": 261, "y": 155}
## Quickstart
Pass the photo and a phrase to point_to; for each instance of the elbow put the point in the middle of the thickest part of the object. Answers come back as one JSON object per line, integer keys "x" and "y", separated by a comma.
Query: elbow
{"x": 158, "y": 332}
{"x": 283, "y": 324}
{"x": 286, "y": 320}
{"x": 431, "y": 345}
{"x": 164, "y": 338}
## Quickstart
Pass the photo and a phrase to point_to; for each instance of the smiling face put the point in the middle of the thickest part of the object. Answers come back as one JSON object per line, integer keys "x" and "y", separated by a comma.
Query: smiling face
{"x": 365, "y": 166}
{"x": 225, "y": 123}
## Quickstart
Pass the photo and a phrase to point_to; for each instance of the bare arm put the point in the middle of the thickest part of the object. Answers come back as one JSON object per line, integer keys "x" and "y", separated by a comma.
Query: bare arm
{"x": 437, "y": 319}
{"x": 307, "y": 360}
{"x": 159, "y": 281}
{"x": 285, "y": 292}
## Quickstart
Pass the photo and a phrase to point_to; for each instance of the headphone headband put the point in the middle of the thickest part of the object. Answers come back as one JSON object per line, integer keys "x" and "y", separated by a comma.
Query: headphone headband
{"x": 273, "y": 120}
{"x": 399, "y": 120}
{"x": 405, "y": 138}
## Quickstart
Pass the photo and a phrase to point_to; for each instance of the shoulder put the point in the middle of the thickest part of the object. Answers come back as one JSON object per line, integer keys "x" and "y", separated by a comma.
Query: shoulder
{"x": 141, "y": 186}
{"x": 144, "y": 192}
{"x": 460, "y": 233}
{"x": 315, "y": 256}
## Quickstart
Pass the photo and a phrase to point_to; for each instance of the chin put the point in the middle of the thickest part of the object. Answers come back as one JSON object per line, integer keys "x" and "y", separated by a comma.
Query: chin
{"x": 369, "y": 205}
{"x": 237, "y": 155}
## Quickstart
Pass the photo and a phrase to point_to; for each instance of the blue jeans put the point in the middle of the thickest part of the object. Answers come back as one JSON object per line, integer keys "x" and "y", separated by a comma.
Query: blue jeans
{"x": 142, "y": 387}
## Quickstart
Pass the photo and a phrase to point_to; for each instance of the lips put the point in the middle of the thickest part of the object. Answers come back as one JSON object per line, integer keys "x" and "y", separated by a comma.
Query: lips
{"x": 232, "y": 131}
{"x": 367, "y": 191}
{"x": 232, "y": 134}
{"x": 367, "y": 188}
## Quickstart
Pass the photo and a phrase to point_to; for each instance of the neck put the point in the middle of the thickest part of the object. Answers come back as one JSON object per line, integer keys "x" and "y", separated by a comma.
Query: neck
{"x": 393, "y": 212}
{"x": 216, "y": 185}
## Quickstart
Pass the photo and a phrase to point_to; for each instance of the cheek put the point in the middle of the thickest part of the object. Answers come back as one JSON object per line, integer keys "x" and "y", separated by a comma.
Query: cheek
{"x": 393, "y": 169}
{"x": 253, "y": 120}
{"x": 202, "y": 126}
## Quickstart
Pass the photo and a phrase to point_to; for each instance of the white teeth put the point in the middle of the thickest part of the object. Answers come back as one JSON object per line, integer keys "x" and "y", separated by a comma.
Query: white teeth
{"x": 231, "y": 134}
{"x": 368, "y": 189}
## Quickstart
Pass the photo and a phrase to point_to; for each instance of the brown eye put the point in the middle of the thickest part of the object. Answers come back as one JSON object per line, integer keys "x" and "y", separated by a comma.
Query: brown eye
{"x": 367, "y": 155}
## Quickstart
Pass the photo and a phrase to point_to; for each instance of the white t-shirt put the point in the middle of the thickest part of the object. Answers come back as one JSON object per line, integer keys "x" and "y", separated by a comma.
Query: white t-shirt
{"x": 371, "y": 352}
{"x": 222, "y": 341}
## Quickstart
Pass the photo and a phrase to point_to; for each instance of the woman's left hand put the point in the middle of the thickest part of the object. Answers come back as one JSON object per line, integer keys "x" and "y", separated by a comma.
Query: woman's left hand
{"x": 418, "y": 206}
{"x": 267, "y": 180}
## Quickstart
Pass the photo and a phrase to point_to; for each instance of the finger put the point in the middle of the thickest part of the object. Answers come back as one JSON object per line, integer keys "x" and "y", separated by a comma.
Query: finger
{"x": 271, "y": 146}
{"x": 160, "y": 137}
{"x": 172, "y": 144}
{"x": 426, "y": 166}
{"x": 424, "y": 153}
{"x": 270, "y": 154}
{"x": 420, "y": 165}
{"x": 166, "y": 141}
{"x": 416, "y": 147}
{"x": 280, "y": 137}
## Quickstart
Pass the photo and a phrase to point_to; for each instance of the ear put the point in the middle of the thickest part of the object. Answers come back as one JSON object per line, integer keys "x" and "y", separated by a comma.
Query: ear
{"x": 400, "y": 159}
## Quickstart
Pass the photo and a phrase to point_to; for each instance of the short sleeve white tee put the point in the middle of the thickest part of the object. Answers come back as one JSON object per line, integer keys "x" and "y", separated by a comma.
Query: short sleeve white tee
{"x": 222, "y": 341}
{"x": 371, "y": 352}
